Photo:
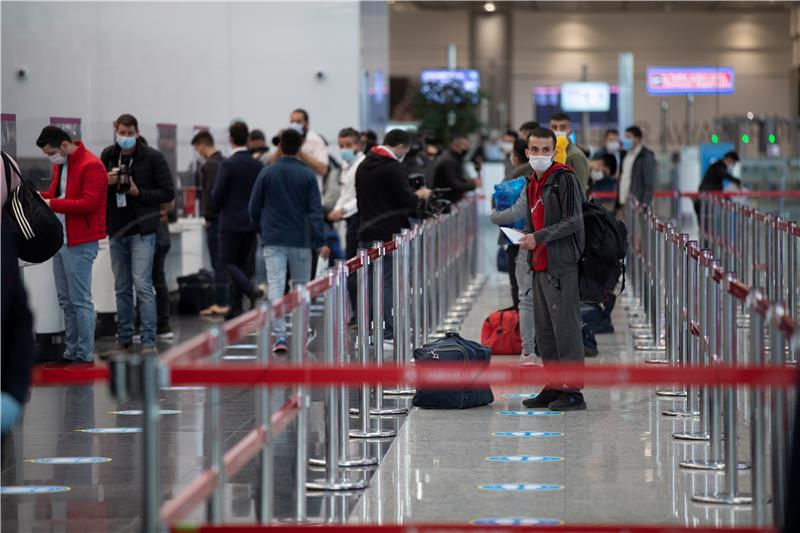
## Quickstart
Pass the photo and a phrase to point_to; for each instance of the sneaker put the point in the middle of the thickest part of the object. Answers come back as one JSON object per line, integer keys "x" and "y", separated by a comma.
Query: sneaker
{"x": 542, "y": 400}
{"x": 210, "y": 310}
{"x": 590, "y": 352}
{"x": 527, "y": 359}
{"x": 165, "y": 333}
{"x": 311, "y": 334}
{"x": 256, "y": 297}
{"x": 280, "y": 346}
{"x": 568, "y": 401}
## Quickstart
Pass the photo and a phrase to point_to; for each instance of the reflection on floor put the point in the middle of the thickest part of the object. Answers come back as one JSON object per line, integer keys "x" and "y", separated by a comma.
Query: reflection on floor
{"x": 615, "y": 462}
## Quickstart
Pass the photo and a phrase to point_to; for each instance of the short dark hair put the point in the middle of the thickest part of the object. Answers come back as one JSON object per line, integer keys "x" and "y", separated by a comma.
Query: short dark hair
{"x": 349, "y": 132}
{"x": 610, "y": 131}
{"x": 291, "y": 141}
{"x": 636, "y": 131}
{"x": 530, "y": 126}
{"x": 203, "y": 137}
{"x": 52, "y": 136}
{"x": 370, "y": 135}
{"x": 520, "y": 145}
{"x": 257, "y": 135}
{"x": 560, "y": 116}
{"x": 731, "y": 155}
{"x": 512, "y": 133}
{"x": 238, "y": 132}
{"x": 544, "y": 133}
{"x": 302, "y": 112}
{"x": 608, "y": 160}
{"x": 397, "y": 137}
{"x": 126, "y": 119}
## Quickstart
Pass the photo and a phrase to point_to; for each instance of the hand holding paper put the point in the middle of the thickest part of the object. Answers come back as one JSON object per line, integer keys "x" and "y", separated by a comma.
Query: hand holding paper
{"x": 514, "y": 235}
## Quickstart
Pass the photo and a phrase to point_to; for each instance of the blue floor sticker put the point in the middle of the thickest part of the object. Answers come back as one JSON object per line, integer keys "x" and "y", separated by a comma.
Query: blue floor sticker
{"x": 239, "y": 357}
{"x": 521, "y": 487}
{"x": 520, "y": 395}
{"x": 139, "y": 411}
{"x": 183, "y": 387}
{"x": 68, "y": 460}
{"x": 34, "y": 489}
{"x": 524, "y": 459}
{"x": 530, "y": 413}
{"x": 528, "y": 434}
{"x": 242, "y": 347}
{"x": 517, "y": 521}
{"x": 111, "y": 430}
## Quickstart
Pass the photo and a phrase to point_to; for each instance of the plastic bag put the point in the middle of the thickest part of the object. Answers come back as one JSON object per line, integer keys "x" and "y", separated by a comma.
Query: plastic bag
{"x": 505, "y": 196}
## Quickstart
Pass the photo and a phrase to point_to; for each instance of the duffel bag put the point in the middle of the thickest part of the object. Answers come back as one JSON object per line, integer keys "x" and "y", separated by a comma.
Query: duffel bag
{"x": 500, "y": 332}
{"x": 453, "y": 349}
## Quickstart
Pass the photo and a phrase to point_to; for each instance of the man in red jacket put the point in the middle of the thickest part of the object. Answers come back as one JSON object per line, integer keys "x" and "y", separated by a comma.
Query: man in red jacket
{"x": 77, "y": 196}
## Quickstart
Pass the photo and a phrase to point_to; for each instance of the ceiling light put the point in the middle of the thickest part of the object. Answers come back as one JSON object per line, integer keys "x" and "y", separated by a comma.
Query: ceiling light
{"x": 489, "y": 7}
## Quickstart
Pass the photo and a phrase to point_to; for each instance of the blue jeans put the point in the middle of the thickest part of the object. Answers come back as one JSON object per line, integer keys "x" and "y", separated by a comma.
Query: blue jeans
{"x": 276, "y": 259}
{"x": 72, "y": 270}
{"x": 132, "y": 264}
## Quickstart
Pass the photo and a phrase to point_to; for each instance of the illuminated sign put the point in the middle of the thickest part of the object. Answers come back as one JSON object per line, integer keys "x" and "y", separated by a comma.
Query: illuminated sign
{"x": 585, "y": 96}
{"x": 468, "y": 79}
{"x": 689, "y": 80}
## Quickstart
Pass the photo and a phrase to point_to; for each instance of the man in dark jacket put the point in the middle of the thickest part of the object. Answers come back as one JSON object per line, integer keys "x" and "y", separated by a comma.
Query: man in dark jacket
{"x": 203, "y": 143}
{"x": 139, "y": 181}
{"x": 287, "y": 208}
{"x": 556, "y": 245}
{"x": 638, "y": 174}
{"x": 385, "y": 199}
{"x": 448, "y": 171}
{"x": 717, "y": 177}
{"x": 237, "y": 236}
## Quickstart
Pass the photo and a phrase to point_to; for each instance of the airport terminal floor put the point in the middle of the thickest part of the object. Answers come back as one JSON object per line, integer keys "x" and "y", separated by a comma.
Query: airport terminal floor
{"x": 617, "y": 462}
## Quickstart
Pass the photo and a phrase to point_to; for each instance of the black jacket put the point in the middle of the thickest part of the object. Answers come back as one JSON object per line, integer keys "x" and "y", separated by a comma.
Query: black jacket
{"x": 208, "y": 174}
{"x": 448, "y": 173}
{"x": 715, "y": 176}
{"x": 643, "y": 176}
{"x": 154, "y": 180}
{"x": 232, "y": 187}
{"x": 385, "y": 197}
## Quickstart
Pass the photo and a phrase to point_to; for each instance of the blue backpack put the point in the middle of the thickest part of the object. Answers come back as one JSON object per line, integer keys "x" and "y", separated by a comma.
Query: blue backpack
{"x": 506, "y": 194}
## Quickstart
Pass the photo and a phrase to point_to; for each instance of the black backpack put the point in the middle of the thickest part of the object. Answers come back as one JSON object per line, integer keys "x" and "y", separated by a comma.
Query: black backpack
{"x": 37, "y": 231}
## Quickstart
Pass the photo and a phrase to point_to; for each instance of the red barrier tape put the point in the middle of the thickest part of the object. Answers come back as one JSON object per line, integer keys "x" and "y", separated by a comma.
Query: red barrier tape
{"x": 235, "y": 329}
{"x": 285, "y": 305}
{"x": 453, "y": 528}
{"x": 718, "y": 194}
{"x": 68, "y": 375}
{"x": 235, "y": 459}
{"x": 195, "y": 348}
{"x": 240, "y": 375}
{"x": 318, "y": 286}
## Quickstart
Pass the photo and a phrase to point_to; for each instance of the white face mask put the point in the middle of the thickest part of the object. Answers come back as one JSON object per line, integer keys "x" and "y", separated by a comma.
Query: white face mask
{"x": 57, "y": 159}
{"x": 540, "y": 163}
{"x": 297, "y": 126}
{"x": 597, "y": 175}
{"x": 612, "y": 147}
{"x": 560, "y": 133}
{"x": 506, "y": 147}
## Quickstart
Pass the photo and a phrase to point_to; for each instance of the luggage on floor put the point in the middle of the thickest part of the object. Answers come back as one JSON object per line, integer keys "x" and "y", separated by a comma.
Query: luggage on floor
{"x": 196, "y": 292}
{"x": 500, "y": 332}
{"x": 452, "y": 349}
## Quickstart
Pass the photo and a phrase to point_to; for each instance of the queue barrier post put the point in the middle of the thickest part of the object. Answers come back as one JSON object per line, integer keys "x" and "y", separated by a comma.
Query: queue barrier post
{"x": 793, "y": 235}
{"x": 299, "y": 348}
{"x": 778, "y": 417}
{"x": 214, "y": 436}
{"x": 759, "y": 418}
{"x": 151, "y": 455}
{"x": 265, "y": 508}
{"x": 672, "y": 309}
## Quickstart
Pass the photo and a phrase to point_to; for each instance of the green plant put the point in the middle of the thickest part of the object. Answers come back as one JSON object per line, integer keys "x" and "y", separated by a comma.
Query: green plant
{"x": 446, "y": 110}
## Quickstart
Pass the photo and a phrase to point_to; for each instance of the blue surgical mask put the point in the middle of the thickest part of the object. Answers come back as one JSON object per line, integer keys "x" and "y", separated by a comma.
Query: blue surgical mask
{"x": 126, "y": 143}
{"x": 297, "y": 126}
{"x": 627, "y": 143}
{"x": 347, "y": 154}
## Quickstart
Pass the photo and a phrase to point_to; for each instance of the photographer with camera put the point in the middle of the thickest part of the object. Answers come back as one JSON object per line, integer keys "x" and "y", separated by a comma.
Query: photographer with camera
{"x": 385, "y": 200}
{"x": 139, "y": 181}
{"x": 314, "y": 151}
{"x": 448, "y": 171}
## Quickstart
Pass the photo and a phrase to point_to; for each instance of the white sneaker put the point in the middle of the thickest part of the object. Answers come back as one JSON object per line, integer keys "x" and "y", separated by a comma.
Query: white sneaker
{"x": 528, "y": 359}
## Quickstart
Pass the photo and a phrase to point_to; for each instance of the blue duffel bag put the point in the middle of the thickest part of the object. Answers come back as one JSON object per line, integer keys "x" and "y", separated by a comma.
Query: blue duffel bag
{"x": 453, "y": 349}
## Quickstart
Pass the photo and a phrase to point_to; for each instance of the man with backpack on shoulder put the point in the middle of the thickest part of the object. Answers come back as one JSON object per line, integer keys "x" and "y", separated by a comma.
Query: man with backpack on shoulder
{"x": 555, "y": 246}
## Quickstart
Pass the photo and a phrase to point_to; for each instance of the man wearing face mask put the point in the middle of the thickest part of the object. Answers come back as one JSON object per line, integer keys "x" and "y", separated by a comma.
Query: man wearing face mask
{"x": 611, "y": 146}
{"x": 78, "y": 197}
{"x": 561, "y": 125}
{"x": 385, "y": 199}
{"x": 507, "y": 148}
{"x": 718, "y": 177}
{"x": 448, "y": 171}
{"x": 314, "y": 152}
{"x": 638, "y": 175}
{"x": 556, "y": 243}
{"x": 139, "y": 181}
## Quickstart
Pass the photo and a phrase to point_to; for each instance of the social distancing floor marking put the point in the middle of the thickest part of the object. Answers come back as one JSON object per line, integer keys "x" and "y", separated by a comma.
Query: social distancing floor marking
{"x": 528, "y": 434}
{"x": 530, "y": 413}
{"x": 521, "y": 487}
{"x": 68, "y": 460}
{"x": 517, "y": 521}
{"x": 133, "y": 412}
{"x": 33, "y": 489}
{"x": 110, "y": 430}
{"x": 524, "y": 459}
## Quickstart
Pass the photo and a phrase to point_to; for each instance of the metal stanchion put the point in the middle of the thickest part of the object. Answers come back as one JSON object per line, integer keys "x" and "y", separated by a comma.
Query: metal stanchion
{"x": 265, "y": 507}
{"x": 778, "y": 419}
{"x": 335, "y": 480}
{"x": 151, "y": 476}
{"x": 658, "y": 343}
{"x": 400, "y": 308}
{"x": 424, "y": 287}
{"x": 299, "y": 342}
{"x": 759, "y": 417}
{"x": 362, "y": 343}
{"x": 731, "y": 495}
{"x": 672, "y": 303}
{"x": 377, "y": 332}
{"x": 214, "y": 436}
{"x": 777, "y": 261}
{"x": 791, "y": 271}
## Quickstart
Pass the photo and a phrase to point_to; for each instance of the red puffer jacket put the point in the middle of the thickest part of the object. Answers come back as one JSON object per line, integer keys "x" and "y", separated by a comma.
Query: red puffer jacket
{"x": 84, "y": 204}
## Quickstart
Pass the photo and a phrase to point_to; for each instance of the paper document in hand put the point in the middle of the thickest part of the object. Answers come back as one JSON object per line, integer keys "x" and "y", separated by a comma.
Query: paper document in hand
{"x": 514, "y": 235}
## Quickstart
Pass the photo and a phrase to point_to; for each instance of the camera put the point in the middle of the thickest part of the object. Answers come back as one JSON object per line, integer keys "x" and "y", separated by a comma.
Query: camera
{"x": 433, "y": 206}
{"x": 124, "y": 173}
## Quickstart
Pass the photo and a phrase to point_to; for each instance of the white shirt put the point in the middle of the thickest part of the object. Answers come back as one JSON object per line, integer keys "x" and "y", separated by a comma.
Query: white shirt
{"x": 62, "y": 193}
{"x": 239, "y": 149}
{"x": 315, "y": 147}
{"x": 627, "y": 171}
{"x": 347, "y": 197}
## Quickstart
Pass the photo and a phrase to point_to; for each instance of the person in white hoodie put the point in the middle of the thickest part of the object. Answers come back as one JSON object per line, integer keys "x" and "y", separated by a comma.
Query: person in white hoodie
{"x": 346, "y": 208}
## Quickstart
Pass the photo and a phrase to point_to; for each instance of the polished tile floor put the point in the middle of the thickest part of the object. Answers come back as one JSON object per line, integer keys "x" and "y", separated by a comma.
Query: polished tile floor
{"x": 615, "y": 462}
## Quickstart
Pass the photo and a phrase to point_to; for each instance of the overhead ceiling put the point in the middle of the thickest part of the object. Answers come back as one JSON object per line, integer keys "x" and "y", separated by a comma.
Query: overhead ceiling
{"x": 590, "y": 6}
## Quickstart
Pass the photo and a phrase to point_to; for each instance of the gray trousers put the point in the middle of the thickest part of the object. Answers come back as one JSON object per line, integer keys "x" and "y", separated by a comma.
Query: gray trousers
{"x": 557, "y": 316}
{"x": 525, "y": 291}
